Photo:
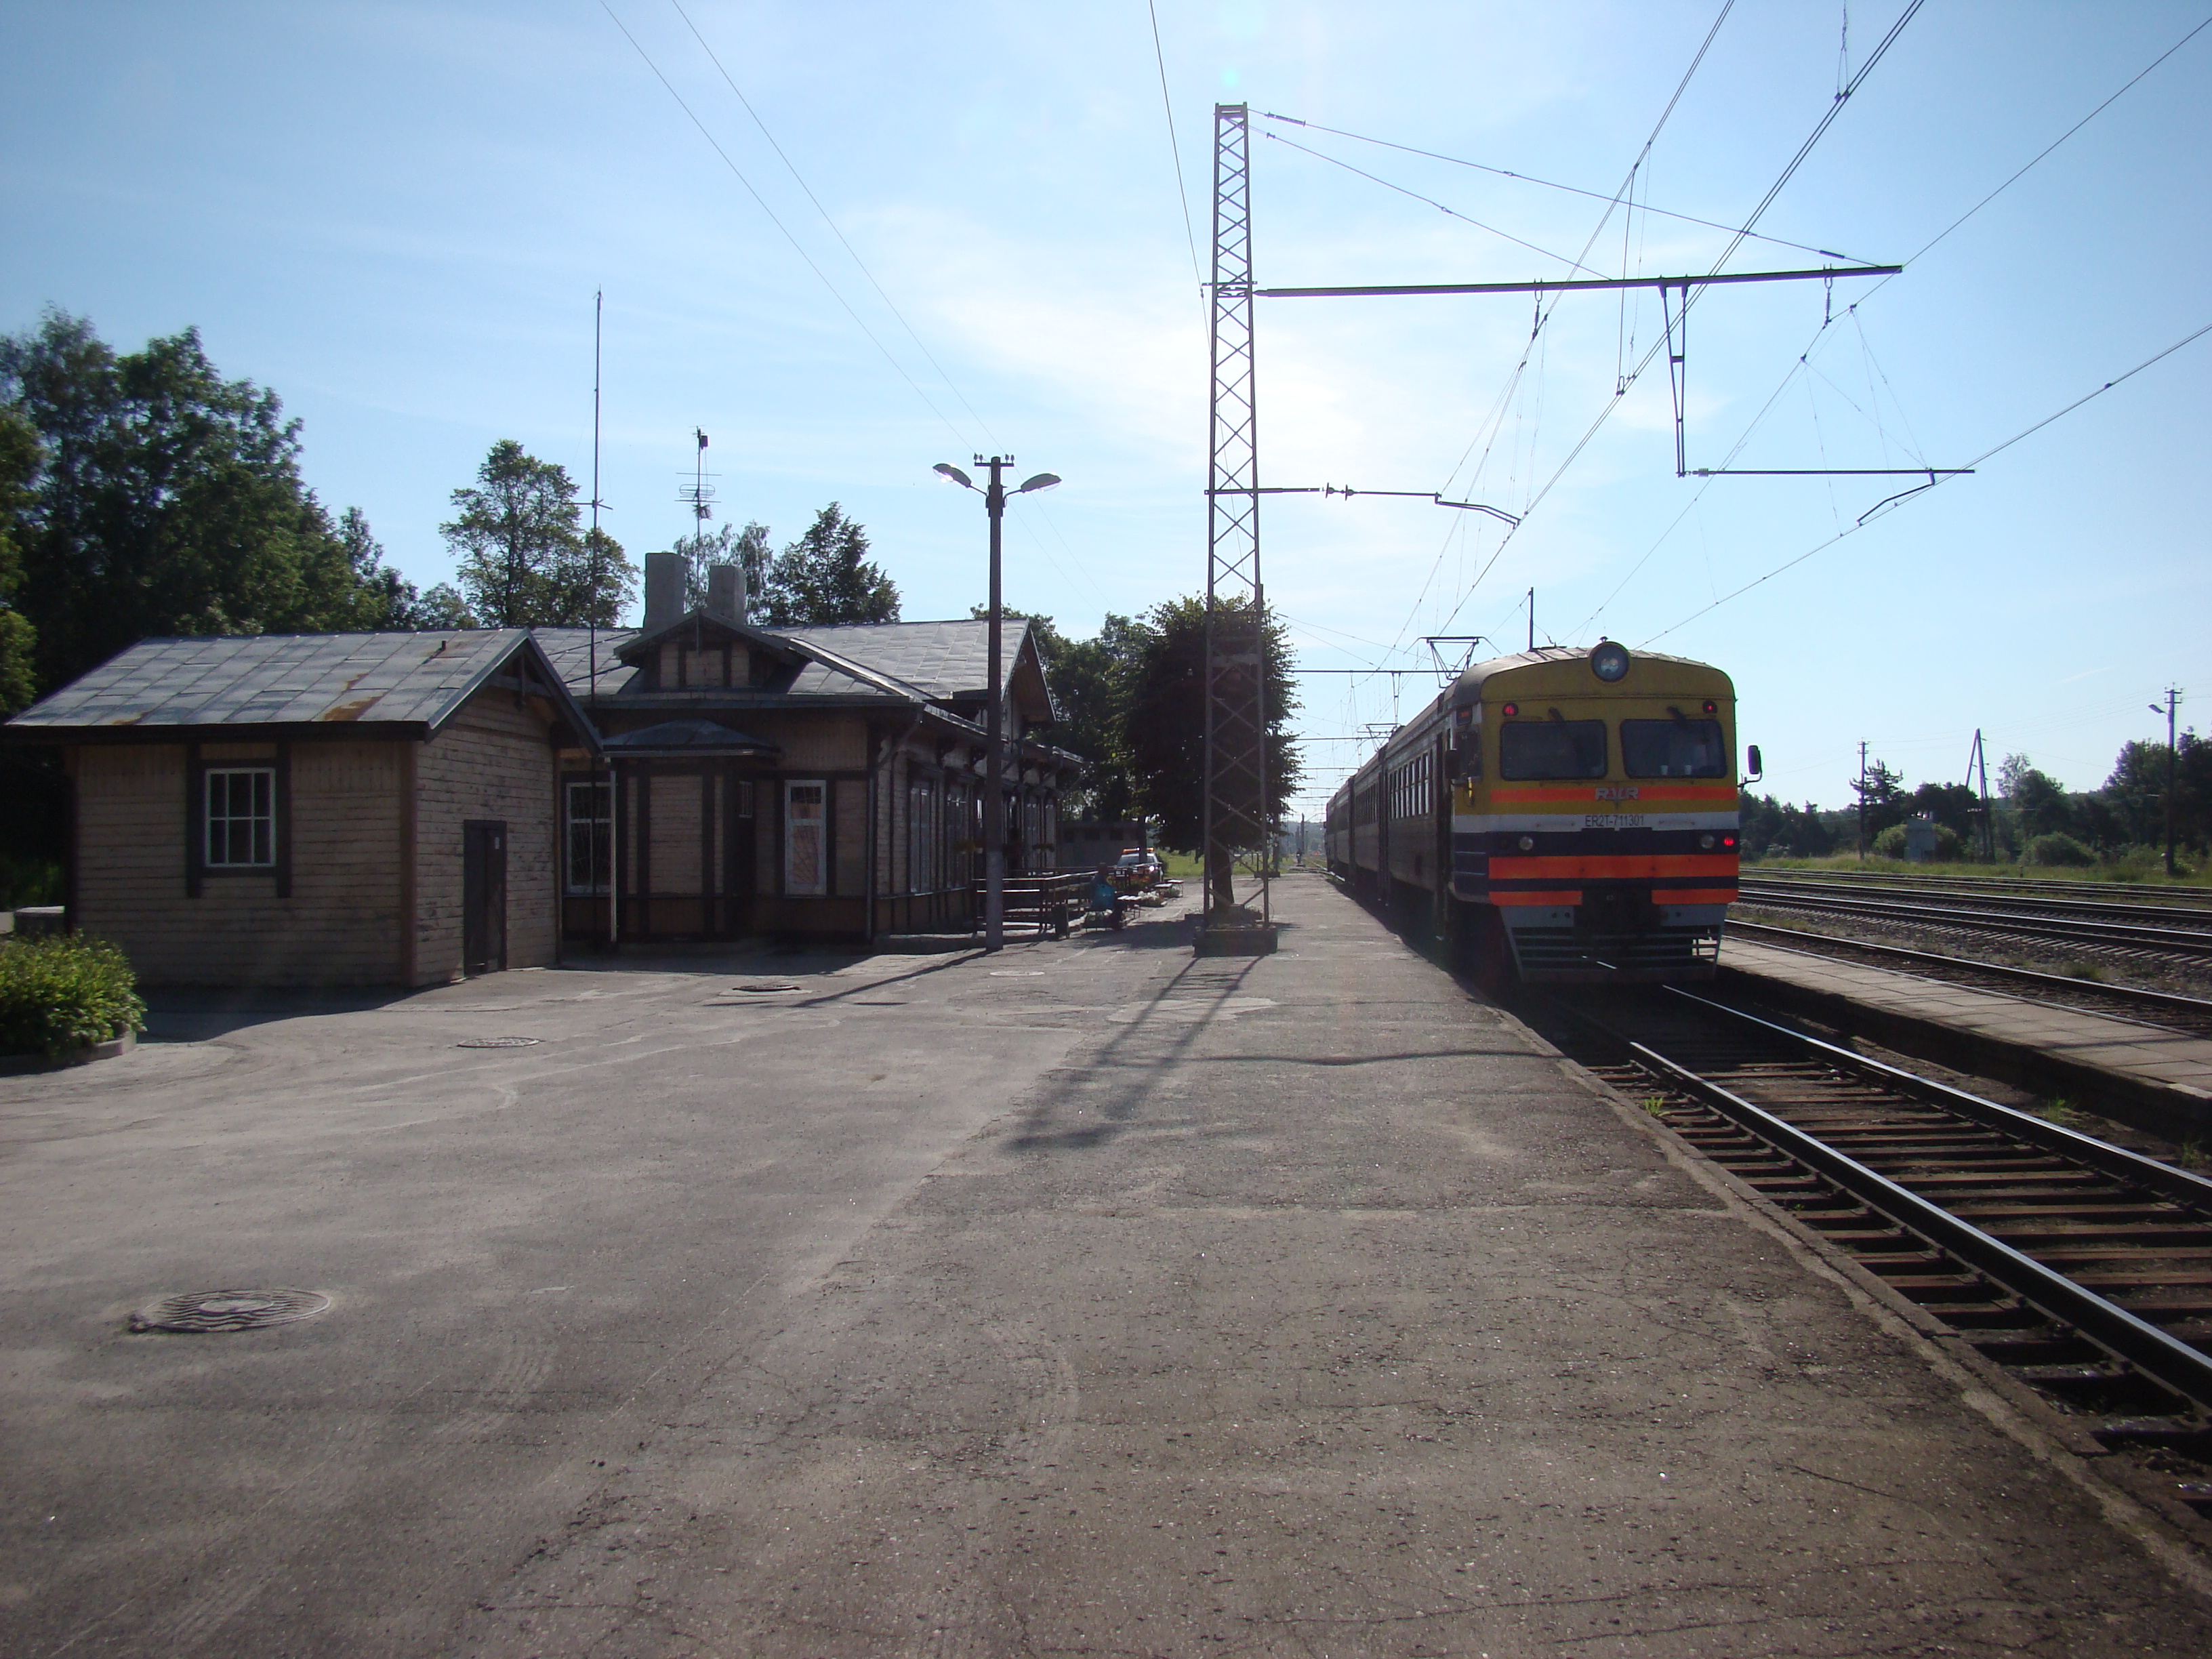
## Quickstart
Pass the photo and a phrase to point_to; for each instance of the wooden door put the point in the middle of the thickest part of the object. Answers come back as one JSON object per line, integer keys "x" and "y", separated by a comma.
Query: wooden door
{"x": 484, "y": 896}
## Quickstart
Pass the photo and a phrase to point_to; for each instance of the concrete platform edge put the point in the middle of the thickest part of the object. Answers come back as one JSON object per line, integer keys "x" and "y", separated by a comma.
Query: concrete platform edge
{"x": 2146, "y": 1106}
{"x": 2161, "y": 1527}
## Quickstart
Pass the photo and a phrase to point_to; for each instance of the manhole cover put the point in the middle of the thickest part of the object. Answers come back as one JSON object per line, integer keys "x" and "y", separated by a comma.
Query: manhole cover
{"x": 228, "y": 1310}
{"x": 768, "y": 985}
{"x": 496, "y": 1042}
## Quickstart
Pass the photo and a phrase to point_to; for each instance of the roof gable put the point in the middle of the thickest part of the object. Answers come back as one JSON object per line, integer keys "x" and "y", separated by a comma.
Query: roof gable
{"x": 413, "y": 681}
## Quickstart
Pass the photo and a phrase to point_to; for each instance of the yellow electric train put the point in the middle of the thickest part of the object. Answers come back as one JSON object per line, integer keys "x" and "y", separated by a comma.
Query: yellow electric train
{"x": 1560, "y": 816}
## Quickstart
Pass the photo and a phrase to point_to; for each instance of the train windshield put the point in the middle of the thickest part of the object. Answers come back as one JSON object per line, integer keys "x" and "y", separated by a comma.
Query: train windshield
{"x": 1552, "y": 749}
{"x": 1672, "y": 748}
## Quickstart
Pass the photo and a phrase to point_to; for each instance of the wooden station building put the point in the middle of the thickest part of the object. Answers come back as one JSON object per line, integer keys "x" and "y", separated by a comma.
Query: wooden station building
{"x": 409, "y": 808}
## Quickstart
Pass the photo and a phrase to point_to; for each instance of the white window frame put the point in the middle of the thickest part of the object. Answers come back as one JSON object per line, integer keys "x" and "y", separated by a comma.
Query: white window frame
{"x": 820, "y": 825}
{"x": 602, "y": 823}
{"x": 260, "y": 819}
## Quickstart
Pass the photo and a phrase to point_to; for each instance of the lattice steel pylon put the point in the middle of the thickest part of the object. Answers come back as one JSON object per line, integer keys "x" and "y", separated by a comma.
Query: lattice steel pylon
{"x": 1238, "y": 820}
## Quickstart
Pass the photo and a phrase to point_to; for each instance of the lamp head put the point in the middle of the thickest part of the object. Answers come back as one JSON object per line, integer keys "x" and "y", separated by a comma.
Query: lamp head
{"x": 1042, "y": 481}
{"x": 955, "y": 474}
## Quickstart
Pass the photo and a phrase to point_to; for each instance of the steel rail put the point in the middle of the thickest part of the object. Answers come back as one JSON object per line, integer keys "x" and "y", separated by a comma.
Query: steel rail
{"x": 1997, "y": 901}
{"x": 2179, "y": 941}
{"x": 2116, "y": 1161}
{"x": 2145, "y": 1001}
{"x": 2165, "y": 1358}
{"x": 2179, "y": 898}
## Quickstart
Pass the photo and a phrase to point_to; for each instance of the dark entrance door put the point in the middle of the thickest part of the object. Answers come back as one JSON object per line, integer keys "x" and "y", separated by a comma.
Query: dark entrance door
{"x": 484, "y": 896}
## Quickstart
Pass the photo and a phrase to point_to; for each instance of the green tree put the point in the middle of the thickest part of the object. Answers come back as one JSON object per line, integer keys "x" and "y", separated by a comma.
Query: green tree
{"x": 19, "y": 466}
{"x": 1090, "y": 683}
{"x": 2038, "y": 798}
{"x": 1881, "y": 793}
{"x": 1162, "y": 717}
{"x": 748, "y": 548}
{"x": 166, "y": 500}
{"x": 2136, "y": 793}
{"x": 826, "y": 577}
{"x": 525, "y": 558}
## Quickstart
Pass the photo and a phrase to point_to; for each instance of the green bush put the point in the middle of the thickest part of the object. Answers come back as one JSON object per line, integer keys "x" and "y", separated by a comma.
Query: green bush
{"x": 2058, "y": 849}
{"x": 1890, "y": 844}
{"x": 64, "y": 992}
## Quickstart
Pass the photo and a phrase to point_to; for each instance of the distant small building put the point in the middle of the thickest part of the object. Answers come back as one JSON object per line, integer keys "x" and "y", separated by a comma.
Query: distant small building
{"x": 407, "y": 808}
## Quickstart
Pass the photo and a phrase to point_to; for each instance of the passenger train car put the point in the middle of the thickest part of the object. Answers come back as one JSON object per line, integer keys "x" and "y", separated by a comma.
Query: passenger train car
{"x": 1557, "y": 816}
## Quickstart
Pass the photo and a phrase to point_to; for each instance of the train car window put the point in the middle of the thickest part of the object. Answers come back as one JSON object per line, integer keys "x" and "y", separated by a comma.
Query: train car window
{"x": 1551, "y": 749}
{"x": 1672, "y": 748}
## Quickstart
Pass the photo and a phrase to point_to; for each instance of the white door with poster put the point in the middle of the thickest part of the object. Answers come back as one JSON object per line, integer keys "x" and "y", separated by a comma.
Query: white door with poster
{"x": 806, "y": 838}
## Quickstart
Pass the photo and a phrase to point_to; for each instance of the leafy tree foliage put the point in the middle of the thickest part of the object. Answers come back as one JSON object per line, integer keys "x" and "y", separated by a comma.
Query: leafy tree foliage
{"x": 2136, "y": 791}
{"x": 1881, "y": 793}
{"x": 19, "y": 465}
{"x": 826, "y": 577}
{"x": 747, "y": 549}
{"x": 1089, "y": 681}
{"x": 1769, "y": 828}
{"x": 161, "y": 499}
{"x": 525, "y": 557}
{"x": 1162, "y": 717}
{"x": 2037, "y": 799}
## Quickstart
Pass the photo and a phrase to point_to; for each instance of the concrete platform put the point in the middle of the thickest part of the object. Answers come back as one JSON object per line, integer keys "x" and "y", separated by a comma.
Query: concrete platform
{"x": 2161, "y": 1079}
{"x": 1086, "y": 1299}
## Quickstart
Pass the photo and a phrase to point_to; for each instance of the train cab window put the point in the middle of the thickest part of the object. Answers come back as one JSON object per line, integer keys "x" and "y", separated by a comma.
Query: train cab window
{"x": 1551, "y": 749}
{"x": 1672, "y": 748}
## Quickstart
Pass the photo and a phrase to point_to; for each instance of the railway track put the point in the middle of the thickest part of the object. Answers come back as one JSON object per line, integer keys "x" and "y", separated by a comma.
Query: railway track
{"x": 2163, "y": 1009}
{"x": 2082, "y": 1269}
{"x": 2184, "y": 898}
{"x": 2172, "y": 934}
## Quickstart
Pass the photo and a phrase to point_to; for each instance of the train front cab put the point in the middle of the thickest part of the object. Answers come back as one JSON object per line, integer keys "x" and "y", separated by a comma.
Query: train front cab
{"x": 1594, "y": 815}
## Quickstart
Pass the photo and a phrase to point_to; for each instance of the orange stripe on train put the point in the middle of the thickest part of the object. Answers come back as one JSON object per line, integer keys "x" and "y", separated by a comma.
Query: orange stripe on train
{"x": 1566, "y": 868}
{"x": 1615, "y": 796}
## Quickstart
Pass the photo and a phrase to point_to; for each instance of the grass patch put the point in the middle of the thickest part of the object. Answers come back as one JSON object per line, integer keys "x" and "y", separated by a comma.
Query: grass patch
{"x": 2131, "y": 868}
{"x": 64, "y": 993}
{"x": 2091, "y": 971}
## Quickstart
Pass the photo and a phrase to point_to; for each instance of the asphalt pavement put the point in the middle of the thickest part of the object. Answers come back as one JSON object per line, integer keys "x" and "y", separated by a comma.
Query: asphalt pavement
{"x": 1089, "y": 1297}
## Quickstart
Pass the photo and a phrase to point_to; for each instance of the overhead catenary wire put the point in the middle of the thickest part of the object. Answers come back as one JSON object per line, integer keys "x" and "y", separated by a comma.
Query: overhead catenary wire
{"x": 792, "y": 168}
{"x": 1430, "y": 201}
{"x": 798, "y": 248}
{"x": 1496, "y": 419}
{"x": 1882, "y": 509}
{"x": 1175, "y": 149}
{"x": 1801, "y": 362}
{"x": 1691, "y": 296}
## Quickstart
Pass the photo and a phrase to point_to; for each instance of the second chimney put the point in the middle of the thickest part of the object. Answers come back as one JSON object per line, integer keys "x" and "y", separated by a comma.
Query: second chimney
{"x": 725, "y": 593}
{"x": 664, "y": 590}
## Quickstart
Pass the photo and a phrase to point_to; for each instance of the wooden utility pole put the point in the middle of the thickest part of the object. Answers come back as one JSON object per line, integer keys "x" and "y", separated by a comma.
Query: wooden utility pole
{"x": 1863, "y": 844}
{"x": 2172, "y": 766}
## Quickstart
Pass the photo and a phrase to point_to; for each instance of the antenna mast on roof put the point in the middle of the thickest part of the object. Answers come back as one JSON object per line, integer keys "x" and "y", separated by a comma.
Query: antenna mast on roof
{"x": 699, "y": 492}
{"x": 592, "y": 615}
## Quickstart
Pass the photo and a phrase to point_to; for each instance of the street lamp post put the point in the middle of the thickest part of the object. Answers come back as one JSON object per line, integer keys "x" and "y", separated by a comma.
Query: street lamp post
{"x": 994, "y": 799}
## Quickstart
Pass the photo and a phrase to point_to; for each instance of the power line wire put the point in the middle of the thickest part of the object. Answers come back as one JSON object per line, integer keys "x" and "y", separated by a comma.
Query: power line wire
{"x": 790, "y": 167}
{"x": 1801, "y": 362}
{"x": 1531, "y": 178}
{"x": 1432, "y": 202}
{"x": 738, "y": 174}
{"x": 1883, "y": 509}
{"x": 1690, "y": 296}
{"x": 1183, "y": 191}
{"x": 1543, "y": 315}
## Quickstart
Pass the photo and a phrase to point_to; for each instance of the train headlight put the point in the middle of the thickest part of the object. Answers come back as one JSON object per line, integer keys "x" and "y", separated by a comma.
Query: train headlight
{"x": 1609, "y": 662}
{"x": 1705, "y": 842}
{"x": 1528, "y": 843}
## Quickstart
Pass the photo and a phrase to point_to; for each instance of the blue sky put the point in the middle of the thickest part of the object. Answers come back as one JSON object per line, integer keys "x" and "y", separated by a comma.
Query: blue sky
{"x": 396, "y": 216}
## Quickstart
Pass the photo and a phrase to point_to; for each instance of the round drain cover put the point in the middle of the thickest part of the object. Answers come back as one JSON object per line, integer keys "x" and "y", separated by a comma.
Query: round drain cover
{"x": 496, "y": 1042}
{"x": 228, "y": 1310}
